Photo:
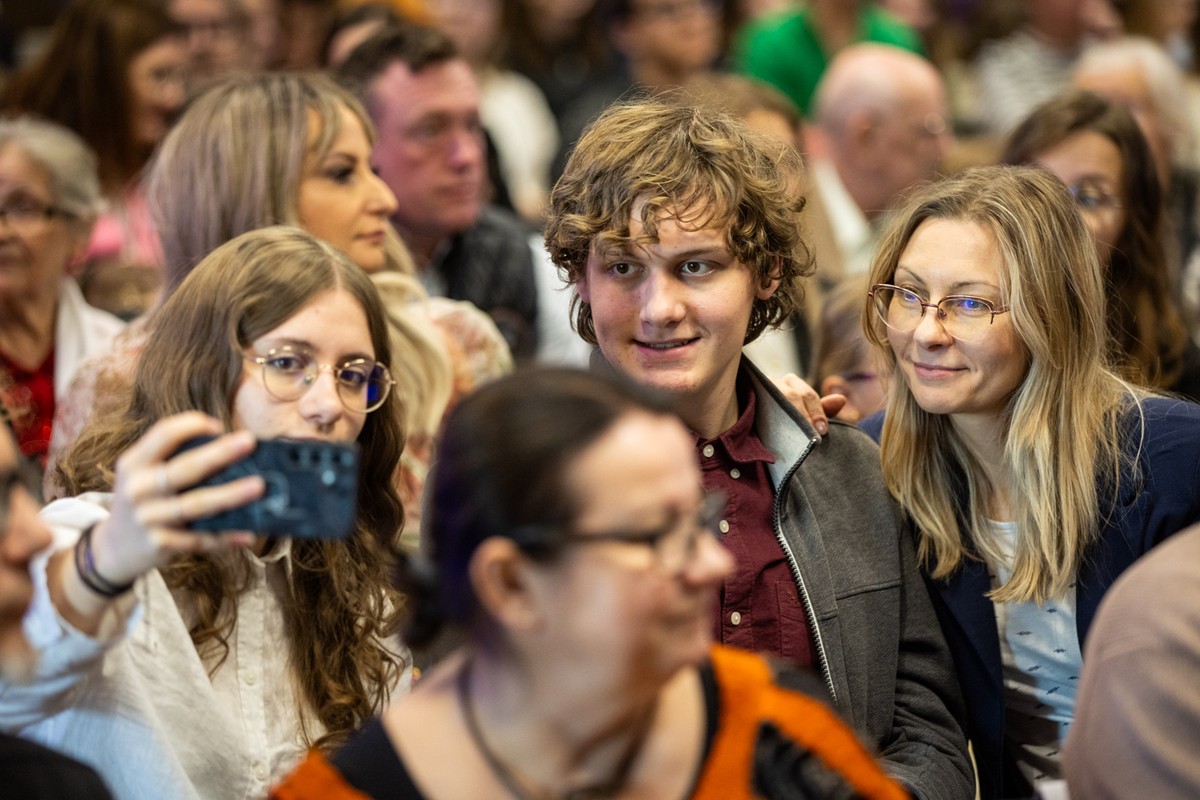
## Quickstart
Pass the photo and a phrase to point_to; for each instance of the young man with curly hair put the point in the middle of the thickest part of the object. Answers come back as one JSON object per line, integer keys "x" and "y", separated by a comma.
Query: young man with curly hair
{"x": 677, "y": 227}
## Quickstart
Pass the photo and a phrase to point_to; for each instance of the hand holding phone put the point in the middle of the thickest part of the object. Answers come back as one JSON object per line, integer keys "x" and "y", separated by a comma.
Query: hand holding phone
{"x": 312, "y": 490}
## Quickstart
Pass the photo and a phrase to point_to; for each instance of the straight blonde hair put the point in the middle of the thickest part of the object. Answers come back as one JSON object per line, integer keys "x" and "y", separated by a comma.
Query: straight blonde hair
{"x": 1062, "y": 456}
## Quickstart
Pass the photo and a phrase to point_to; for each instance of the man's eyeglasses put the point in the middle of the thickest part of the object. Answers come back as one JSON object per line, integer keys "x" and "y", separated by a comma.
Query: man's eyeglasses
{"x": 964, "y": 317}
{"x": 288, "y": 373}
{"x": 674, "y": 544}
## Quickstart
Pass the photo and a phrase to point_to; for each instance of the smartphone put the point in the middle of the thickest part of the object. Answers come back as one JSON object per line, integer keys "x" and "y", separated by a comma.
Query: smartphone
{"x": 312, "y": 490}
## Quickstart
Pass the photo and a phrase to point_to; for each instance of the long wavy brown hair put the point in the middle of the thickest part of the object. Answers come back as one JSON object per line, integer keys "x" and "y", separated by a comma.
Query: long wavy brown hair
{"x": 1146, "y": 326}
{"x": 341, "y": 609}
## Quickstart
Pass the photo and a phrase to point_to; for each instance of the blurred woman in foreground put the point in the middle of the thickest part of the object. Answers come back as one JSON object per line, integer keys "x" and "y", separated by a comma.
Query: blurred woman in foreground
{"x": 572, "y": 544}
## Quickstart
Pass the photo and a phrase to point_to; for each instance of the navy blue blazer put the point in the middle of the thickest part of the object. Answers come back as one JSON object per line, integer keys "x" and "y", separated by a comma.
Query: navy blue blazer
{"x": 1162, "y": 500}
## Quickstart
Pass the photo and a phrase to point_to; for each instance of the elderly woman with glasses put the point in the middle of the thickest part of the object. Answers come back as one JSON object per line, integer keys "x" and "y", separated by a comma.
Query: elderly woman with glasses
{"x": 572, "y": 549}
{"x": 49, "y": 199}
{"x": 1034, "y": 473}
{"x": 189, "y": 664}
{"x": 1096, "y": 147}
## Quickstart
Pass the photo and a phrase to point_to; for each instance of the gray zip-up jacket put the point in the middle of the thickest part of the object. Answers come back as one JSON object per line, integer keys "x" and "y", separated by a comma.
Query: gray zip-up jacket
{"x": 878, "y": 641}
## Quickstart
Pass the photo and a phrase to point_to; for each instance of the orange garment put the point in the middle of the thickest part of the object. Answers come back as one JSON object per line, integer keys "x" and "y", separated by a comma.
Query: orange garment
{"x": 748, "y": 698}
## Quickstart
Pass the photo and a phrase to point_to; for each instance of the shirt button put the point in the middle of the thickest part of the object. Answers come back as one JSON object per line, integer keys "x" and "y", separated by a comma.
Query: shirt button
{"x": 735, "y": 473}
{"x": 708, "y": 450}
{"x": 251, "y": 678}
{"x": 723, "y": 526}
{"x": 260, "y": 771}
{"x": 735, "y": 618}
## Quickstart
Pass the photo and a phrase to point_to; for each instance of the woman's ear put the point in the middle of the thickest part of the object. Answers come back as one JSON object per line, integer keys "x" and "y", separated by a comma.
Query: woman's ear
{"x": 502, "y": 579}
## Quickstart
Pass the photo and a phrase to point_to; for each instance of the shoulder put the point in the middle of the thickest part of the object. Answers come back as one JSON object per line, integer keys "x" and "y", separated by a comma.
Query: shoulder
{"x": 76, "y": 311}
{"x": 788, "y": 736}
{"x": 370, "y": 763}
{"x": 33, "y": 771}
{"x": 1161, "y": 427}
{"x": 873, "y": 426}
{"x": 500, "y": 226}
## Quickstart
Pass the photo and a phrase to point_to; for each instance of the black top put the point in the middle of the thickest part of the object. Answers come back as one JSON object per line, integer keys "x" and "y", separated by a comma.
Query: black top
{"x": 33, "y": 772}
{"x": 371, "y": 765}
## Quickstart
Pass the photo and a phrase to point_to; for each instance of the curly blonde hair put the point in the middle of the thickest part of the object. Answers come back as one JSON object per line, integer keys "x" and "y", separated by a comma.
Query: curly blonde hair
{"x": 681, "y": 160}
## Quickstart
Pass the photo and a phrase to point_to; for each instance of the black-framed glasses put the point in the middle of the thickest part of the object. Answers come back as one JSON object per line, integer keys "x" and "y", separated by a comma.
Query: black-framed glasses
{"x": 1092, "y": 198}
{"x": 25, "y": 213}
{"x": 287, "y": 373}
{"x": 965, "y": 317}
{"x": 674, "y": 544}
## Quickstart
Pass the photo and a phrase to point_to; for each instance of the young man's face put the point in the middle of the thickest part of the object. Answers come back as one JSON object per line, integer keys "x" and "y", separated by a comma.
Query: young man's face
{"x": 673, "y": 314}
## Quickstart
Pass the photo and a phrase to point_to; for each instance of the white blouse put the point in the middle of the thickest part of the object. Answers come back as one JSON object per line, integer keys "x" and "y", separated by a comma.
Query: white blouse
{"x": 138, "y": 703}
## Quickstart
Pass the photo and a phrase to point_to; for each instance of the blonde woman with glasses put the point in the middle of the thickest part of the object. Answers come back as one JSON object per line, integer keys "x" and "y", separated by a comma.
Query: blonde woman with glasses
{"x": 1034, "y": 473}
{"x": 196, "y": 665}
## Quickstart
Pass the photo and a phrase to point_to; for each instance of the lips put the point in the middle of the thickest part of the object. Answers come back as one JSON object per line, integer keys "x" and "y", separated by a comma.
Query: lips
{"x": 934, "y": 371}
{"x": 673, "y": 344}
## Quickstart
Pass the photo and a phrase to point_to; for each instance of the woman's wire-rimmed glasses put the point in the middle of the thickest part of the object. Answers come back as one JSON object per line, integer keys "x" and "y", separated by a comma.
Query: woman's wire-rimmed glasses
{"x": 1091, "y": 198}
{"x": 362, "y": 384}
{"x": 965, "y": 317}
{"x": 674, "y": 544}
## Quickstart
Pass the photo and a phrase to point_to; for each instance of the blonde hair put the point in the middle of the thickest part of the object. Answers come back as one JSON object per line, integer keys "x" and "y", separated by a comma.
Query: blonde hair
{"x": 1062, "y": 450}
{"x": 234, "y": 162}
{"x": 420, "y": 364}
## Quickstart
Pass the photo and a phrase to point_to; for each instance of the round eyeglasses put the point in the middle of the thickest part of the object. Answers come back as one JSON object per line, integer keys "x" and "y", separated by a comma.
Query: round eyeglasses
{"x": 674, "y": 544}
{"x": 964, "y": 317}
{"x": 287, "y": 373}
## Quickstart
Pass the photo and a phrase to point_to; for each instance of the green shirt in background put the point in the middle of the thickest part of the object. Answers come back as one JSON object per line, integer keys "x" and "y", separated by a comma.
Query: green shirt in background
{"x": 783, "y": 50}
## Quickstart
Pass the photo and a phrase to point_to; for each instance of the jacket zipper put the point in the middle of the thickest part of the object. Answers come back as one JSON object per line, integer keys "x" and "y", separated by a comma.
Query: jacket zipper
{"x": 798, "y": 577}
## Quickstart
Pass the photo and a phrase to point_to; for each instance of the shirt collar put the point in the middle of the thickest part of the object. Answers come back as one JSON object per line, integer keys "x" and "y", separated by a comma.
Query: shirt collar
{"x": 741, "y": 441}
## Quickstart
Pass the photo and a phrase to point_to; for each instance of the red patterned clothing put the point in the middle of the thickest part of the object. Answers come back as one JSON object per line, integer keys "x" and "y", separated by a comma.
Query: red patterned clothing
{"x": 28, "y": 395}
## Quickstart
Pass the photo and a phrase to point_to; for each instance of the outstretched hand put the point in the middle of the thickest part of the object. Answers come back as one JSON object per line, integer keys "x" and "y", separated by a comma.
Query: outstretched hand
{"x": 152, "y": 504}
{"x": 816, "y": 409}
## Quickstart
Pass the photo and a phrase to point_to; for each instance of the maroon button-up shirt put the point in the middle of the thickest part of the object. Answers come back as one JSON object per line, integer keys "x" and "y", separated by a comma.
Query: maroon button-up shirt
{"x": 760, "y": 607}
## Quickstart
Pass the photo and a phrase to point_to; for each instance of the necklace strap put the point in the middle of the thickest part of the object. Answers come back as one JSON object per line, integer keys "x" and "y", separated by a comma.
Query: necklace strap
{"x": 499, "y": 769}
{"x": 508, "y": 778}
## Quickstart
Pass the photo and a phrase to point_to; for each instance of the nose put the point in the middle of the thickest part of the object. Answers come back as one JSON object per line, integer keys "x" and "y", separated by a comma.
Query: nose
{"x": 382, "y": 200}
{"x": 466, "y": 147}
{"x": 321, "y": 405}
{"x": 711, "y": 565}
{"x": 930, "y": 331}
{"x": 662, "y": 303}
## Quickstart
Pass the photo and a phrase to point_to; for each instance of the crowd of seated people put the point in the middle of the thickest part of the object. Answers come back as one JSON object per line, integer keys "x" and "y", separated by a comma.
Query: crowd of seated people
{"x": 725, "y": 398}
